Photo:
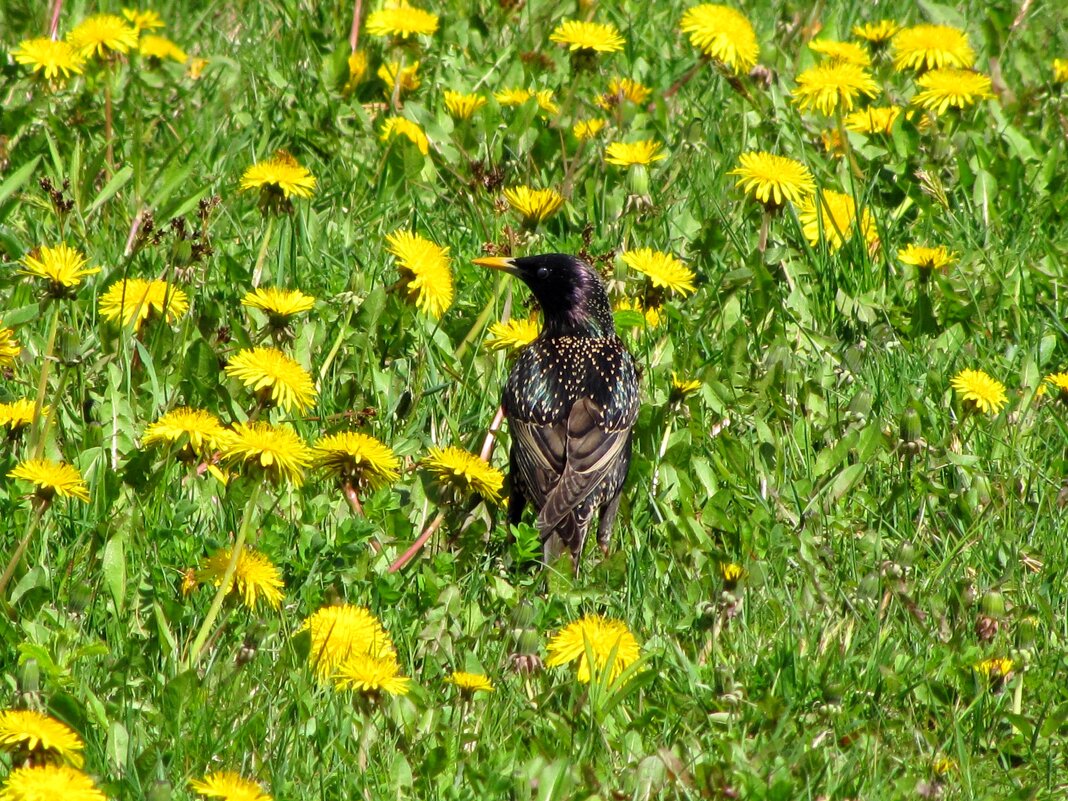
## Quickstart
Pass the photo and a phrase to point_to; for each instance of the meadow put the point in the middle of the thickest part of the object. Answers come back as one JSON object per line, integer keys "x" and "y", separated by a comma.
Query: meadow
{"x": 252, "y": 470}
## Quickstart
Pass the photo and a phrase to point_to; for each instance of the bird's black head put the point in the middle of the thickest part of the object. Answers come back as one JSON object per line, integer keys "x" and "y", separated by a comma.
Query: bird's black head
{"x": 570, "y": 292}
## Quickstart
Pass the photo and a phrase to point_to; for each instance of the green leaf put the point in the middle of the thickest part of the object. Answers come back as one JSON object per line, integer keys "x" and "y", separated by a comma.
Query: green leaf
{"x": 114, "y": 566}
{"x": 15, "y": 181}
{"x": 111, "y": 188}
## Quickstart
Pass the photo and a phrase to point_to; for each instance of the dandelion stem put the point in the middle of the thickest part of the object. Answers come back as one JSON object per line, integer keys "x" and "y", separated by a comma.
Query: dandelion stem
{"x": 257, "y": 272}
{"x": 483, "y": 316}
{"x": 354, "y": 33}
{"x": 53, "y": 24}
{"x": 765, "y": 224}
{"x": 24, "y": 543}
{"x": 37, "y": 427}
{"x": 847, "y": 148}
{"x": 107, "y": 119}
{"x": 225, "y": 582}
{"x": 417, "y": 546}
{"x": 353, "y": 498}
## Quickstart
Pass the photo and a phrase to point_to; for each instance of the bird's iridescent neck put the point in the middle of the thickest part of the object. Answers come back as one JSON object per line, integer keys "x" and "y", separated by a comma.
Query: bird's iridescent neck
{"x": 593, "y": 318}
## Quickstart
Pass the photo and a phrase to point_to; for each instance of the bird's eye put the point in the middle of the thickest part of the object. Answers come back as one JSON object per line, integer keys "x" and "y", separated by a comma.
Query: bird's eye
{"x": 543, "y": 272}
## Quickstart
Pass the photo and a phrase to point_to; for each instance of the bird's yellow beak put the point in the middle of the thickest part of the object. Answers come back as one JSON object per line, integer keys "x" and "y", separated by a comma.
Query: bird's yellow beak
{"x": 497, "y": 263}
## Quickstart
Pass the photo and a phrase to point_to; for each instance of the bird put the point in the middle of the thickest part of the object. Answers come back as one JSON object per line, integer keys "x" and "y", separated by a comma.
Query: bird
{"x": 571, "y": 400}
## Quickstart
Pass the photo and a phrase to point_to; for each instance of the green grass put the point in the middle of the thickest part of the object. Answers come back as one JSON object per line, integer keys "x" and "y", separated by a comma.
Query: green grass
{"x": 879, "y": 568}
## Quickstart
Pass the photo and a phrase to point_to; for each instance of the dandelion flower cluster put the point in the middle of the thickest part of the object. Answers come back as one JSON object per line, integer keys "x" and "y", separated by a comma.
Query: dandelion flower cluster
{"x": 461, "y": 106}
{"x": 773, "y": 180}
{"x": 276, "y": 376}
{"x": 722, "y": 33}
{"x": 513, "y": 335}
{"x": 358, "y": 459}
{"x": 408, "y": 76}
{"x": 662, "y": 269}
{"x": 9, "y": 346}
{"x": 945, "y": 88}
{"x": 52, "y": 478}
{"x": 402, "y": 20}
{"x": 926, "y": 47}
{"x": 631, "y": 154}
{"x": 48, "y": 782}
{"x": 371, "y": 674}
{"x": 280, "y": 173}
{"x": 53, "y": 58}
{"x": 62, "y": 266}
{"x": 873, "y": 120}
{"x": 623, "y": 89}
{"x": 161, "y": 48}
{"x": 134, "y": 300}
{"x": 228, "y": 786}
{"x": 30, "y": 732}
{"x": 255, "y": 576}
{"x": 278, "y": 304}
{"x": 829, "y": 87}
{"x": 338, "y": 632}
{"x": 276, "y": 451}
{"x": 651, "y": 314}
{"x": 143, "y": 19}
{"x": 465, "y": 472}
{"x": 198, "y": 430}
{"x": 594, "y": 37}
{"x": 927, "y": 258}
{"x": 682, "y": 388}
{"x": 534, "y": 205}
{"x": 470, "y": 682}
{"x": 979, "y": 390}
{"x": 847, "y": 52}
{"x": 19, "y": 414}
{"x": 878, "y": 32}
{"x": 401, "y": 127}
{"x": 587, "y": 129}
{"x": 425, "y": 272}
{"x": 102, "y": 35}
{"x": 834, "y": 219}
{"x": 603, "y": 638}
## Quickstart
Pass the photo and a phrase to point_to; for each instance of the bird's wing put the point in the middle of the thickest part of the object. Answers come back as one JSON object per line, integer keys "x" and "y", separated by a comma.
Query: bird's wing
{"x": 539, "y": 452}
{"x": 591, "y": 453}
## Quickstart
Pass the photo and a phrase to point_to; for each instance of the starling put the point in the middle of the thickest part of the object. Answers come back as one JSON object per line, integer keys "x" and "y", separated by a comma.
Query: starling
{"x": 571, "y": 401}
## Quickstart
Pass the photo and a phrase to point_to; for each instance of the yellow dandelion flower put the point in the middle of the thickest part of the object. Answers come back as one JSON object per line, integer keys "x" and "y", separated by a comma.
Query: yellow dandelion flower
{"x": 101, "y": 35}
{"x": 143, "y": 20}
{"x": 30, "y": 733}
{"x": 873, "y": 120}
{"x": 277, "y": 451}
{"x": 652, "y": 314}
{"x": 52, "y": 478}
{"x": 48, "y": 782}
{"x": 255, "y": 576}
{"x": 19, "y": 414}
{"x": 196, "y": 429}
{"x": 943, "y": 88}
{"x": 535, "y": 205}
{"x": 228, "y": 786}
{"x": 662, "y": 269}
{"x": 587, "y": 129}
{"x": 54, "y": 58}
{"x": 682, "y": 388}
{"x": 1060, "y": 70}
{"x": 978, "y": 390}
{"x": 403, "y": 20}
{"x": 595, "y": 37}
{"x": 358, "y": 459}
{"x": 773, "y": 180}
{"x": 827, "y": 87}
{"x": 630, "y": 154}
{"x": 722, "y": 33}
{"x": 470, "y": 682}
{"x": 944, "y": 765}
{"x": 926, "y": 258}
{"x": 280, "y": 173}
{"x": 513, "y": 335}
{"x": 274, "y": 375}
{"x": 357, "y": 66}
{"x": 409, "y": 76}
{"x": 601, "y": 637}
{"x": 730, "y": 572}
{"x": 62, "y": 266}
{"x": 834, "y": 220}
{"x": 9, "y": 346}
{"x": 546, "y": 102}
{"x": 620, "y": 89}
{"x": 931, "y": 47}
{"x": 399, "y": 126}
{"x": 878, "y": 32}
{"x": 996, "y": 668}
{"x": 1058, "y": 381}
{"x": 847, "y": 52}
{"x": 135, "y": 300}
{"x": 461, "y": 106}
{"x": 278, "y": 304}
{"x": 338, "y": 632}
{"x": 196, "y": 68}
{"x": 465, "y": 472}
{"x": 513, "y": 97}
{"x": 370, "y": 674}
{"x": 161, "y": 48}
{"x": 425, "y": 273}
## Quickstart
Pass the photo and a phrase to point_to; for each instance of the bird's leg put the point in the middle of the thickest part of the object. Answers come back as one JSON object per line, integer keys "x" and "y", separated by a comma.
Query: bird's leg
{"x": 604, "y": 525}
